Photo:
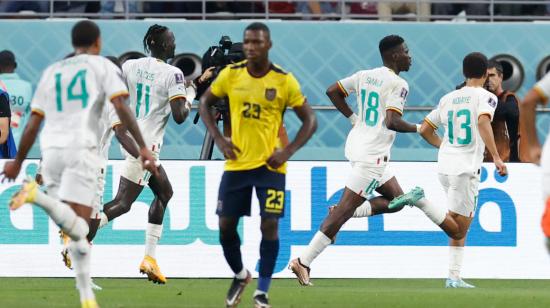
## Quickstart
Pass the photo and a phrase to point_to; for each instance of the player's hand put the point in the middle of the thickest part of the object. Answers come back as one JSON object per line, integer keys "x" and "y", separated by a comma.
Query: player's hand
{"x": 501, "y": 167}
{"x": 207, "y": 74}
{"x": 227, "y": 147}
{"x": 278, "y": 158}
{"x": 11, "y": 170}
{"x": 148, "y": 161}
{"x": 38, "y": 179}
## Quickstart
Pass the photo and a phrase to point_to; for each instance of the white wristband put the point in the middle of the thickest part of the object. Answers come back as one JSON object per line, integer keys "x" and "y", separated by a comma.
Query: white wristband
{"x": 353, "y": 119}
{"x": 418, "y": 128}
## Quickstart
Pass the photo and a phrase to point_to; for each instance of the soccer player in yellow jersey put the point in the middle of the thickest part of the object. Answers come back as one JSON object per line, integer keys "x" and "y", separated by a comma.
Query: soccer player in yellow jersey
{"x": 258, "y": 93}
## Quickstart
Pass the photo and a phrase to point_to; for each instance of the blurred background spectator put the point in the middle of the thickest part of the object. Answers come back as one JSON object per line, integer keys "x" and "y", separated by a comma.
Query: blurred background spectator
{"x": 19, "y": 90}
{"x": 408, "y": 10}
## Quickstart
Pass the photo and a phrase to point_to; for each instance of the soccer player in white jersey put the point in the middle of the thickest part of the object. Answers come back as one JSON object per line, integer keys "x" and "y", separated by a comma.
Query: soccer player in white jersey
{"x": 70, "y": 98}
{"x": 381, "y": 96}
{"x": 156, "y": 90}
{"x": 465, "y": 114}
{"x": 530, "y": 149}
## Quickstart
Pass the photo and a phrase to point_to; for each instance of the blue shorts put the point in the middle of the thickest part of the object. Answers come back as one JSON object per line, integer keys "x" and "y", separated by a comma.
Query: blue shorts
{"x": 235, "y": 194}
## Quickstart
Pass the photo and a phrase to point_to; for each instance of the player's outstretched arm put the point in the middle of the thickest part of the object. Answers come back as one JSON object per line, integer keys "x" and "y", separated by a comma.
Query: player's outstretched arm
{"x": 12, "y": 168}
{"x": 529, "y": 146}
{"x": 428, "y": 133}
{"x": 395, "y": 122}
{"x": 129, "y": 121}
{"x": 309, "y": 125}
{"x": 486, "y": 133}
{"x": 224, "y": 144}
{"x": 121, "y": 134}
{"x": 338, "y": 99}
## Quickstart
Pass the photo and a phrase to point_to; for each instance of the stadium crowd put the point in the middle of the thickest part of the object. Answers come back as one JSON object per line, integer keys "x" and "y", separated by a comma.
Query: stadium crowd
{"x": 382, "y": 10}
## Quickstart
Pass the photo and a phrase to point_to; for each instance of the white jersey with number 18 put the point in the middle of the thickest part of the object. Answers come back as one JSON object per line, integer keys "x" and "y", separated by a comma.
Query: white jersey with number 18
{"x": 152, "y": 85}
{"x": 458, "y": 112}
{"x": 377, "y": 90}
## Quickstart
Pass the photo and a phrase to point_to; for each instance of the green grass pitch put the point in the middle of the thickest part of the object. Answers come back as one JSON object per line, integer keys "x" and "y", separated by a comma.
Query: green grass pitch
{"x": 339, "y": 293}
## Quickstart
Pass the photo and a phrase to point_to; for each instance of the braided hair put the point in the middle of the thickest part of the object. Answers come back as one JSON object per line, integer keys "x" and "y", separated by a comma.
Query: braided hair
{"x": 153, "y": 38}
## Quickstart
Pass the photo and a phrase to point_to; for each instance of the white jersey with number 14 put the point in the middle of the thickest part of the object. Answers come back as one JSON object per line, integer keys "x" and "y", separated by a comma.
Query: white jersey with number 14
{"x": 71, "y": 94}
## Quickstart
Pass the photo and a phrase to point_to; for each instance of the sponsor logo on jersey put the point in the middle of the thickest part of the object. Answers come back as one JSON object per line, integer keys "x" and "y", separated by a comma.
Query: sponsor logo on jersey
{"x": 179, "y": 78}
{"x": 404, "y": 93}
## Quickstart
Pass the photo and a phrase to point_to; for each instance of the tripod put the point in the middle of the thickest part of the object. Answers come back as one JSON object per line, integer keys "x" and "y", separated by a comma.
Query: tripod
{"x": 208, "y": 141}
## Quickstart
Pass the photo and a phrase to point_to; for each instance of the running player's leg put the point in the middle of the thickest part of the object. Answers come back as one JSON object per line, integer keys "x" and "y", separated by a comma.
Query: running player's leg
{"x": 234, "y": 200}
{"x": 131, "y": 183}
{"x": 127, "y": 194}
{"x": 462, "y": 202}
{"x": 363, "y": 180}
{"x": 162, "y": 189}
{"x": 545, "y": 166}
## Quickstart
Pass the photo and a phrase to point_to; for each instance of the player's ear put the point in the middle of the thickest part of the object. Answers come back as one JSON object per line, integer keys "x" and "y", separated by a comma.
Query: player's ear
{"x": 97, "y": 45}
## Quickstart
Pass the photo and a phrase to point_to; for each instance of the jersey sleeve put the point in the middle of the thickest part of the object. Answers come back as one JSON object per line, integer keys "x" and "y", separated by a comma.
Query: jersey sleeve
{"x": 295, "y": 96}
{"x": 114, "y": 120}
{"x": 398, "y": 97}
{"x": 113, "y": 82}
{"x": 434, "y": 118}
{"x": 5, "y": 111}
{"x": 348, "y": 84}
{"x": 40, "y": 96}
{"x": 176, "y": 84}
{"x": 542, "y": 87}
{"x": 487, "y": 105}
{"x": 220, "y": 85}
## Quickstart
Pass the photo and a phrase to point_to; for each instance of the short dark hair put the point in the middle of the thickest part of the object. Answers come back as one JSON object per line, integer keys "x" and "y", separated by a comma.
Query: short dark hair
{"x": 389, "y": 42}
{"x": 7, "y": 59}
{"x": 153, "y": 38}
{"x": 258, "y": 26}
{"x": 85, "y": 33}
{"x": 496, "y": 65}
{"x": 474, "y": 65}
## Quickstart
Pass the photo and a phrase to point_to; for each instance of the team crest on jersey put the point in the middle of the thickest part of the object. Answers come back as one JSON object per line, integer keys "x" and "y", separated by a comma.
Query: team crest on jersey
{"x": 492, "y": 102}
{"x": 179, "y": 78}
{"x": 270, "y": 94}
{"x": 404, "y": 93}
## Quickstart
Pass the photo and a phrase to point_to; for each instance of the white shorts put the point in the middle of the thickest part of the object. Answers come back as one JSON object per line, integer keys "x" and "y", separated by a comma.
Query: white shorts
{"x": 98, "y": 200}
{"x": 134, "y": 172}
{"x": 366, "y": 177}
{"x": 462, "y": 191}
{"x": 71, "y": 174}
{"x": 545, "y": 165}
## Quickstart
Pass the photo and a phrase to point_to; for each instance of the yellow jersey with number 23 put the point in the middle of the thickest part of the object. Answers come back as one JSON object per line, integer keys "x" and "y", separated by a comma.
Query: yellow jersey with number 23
{"x": 256, "y": 105}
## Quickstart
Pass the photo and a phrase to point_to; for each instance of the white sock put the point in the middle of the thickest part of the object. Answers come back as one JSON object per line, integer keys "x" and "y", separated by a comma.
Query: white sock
{"x": 103, "y": 220}
{"x": 365, "y": 210}
{"x": 319, "y": 242}
{"x": 456, "y": 255}
{"x": 152, "y": 237}
{"x": 259, "y": 292}
{"x": 80, "y": 253}
{"x": 435, "y": 213}
{"x": 242, "y": 274}
{"x": 62, "y": 214}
